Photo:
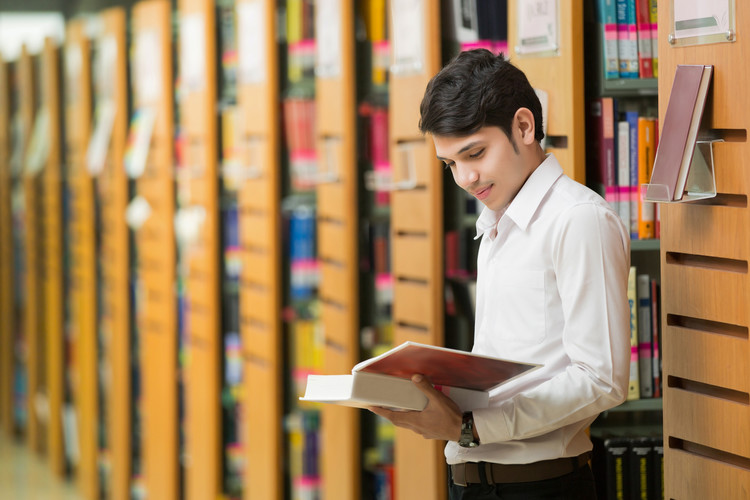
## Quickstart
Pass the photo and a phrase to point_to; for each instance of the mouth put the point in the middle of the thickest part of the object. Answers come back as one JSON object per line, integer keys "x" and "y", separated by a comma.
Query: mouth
{"x": 482, "y": 193}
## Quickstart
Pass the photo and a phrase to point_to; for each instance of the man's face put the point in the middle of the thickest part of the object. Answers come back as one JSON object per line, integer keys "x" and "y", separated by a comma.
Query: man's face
{"x": 485, "y": 164}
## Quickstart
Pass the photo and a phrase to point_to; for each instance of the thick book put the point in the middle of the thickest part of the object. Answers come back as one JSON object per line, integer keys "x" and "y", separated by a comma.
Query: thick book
{"x": 679, "y": 131}
{"x": 385, "y": 380}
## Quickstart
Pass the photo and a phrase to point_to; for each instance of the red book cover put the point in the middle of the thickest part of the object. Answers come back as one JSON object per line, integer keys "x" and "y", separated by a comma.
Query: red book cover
{"x": 444, "y": 366}
{"x": 643, "y": 26}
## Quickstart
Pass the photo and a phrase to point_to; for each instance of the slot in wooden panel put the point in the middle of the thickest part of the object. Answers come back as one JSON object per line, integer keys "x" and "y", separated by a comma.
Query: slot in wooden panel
{"x": 707, "y": 262}
{"x": 335, "y": 283}
{"x": 712, "y": 421}
{"x": 710, "y": 453}
{"x": 690, "y": 476}
{"x": 724, "y": 200}
{"x": 412, "y": 257}
{"x": 714, "y": 391}
{"x": 696, "y": 292}
{"x": 412, "y": 161}
{"x": 411, "y": 211}
{"x": 256, "y": 193}
{"x": 717, "y": 327}
{"x": 257, "y": 263}
{"x": 415, "y": 304}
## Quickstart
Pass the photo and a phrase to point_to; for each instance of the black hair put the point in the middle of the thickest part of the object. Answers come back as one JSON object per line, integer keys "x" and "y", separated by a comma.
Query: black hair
{"x": 476, "y": 89}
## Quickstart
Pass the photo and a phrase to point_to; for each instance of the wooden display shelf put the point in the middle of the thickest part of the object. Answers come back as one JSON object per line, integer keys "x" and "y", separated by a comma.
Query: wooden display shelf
{"x": 259, "y": 200}
{"x": 198, "y": 67}
{"x": 83, "y": 291}
{"x": 7, "y": 264}
{"x": 155, "y": 240}
{"x": 111, "y": 88}
{"x": 416, "y": 221}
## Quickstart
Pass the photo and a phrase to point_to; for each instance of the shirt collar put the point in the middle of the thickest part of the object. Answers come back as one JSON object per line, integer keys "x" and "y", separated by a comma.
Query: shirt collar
{"x": 525, "y": 204}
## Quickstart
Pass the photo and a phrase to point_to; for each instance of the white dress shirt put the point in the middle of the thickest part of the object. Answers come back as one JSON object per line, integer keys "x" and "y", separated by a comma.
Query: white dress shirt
{"x": 552, "y": 290}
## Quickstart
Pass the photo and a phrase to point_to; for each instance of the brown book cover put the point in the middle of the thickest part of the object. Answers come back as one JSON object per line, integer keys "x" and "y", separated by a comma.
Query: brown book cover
{"x": 680, "y": 129}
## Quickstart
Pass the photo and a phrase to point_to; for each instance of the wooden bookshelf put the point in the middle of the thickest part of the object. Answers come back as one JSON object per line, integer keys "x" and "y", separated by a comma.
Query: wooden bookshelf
{"x": 416, "y": 233}
{"x": 33, "y": 307}
{"x": 153, "y": 94}
{"x": 259, "y": 199}
{"x": 7, "y": 264}
{"x": 705, "y": 297}
{"x": 52, "y": 250}
{"x": 199, "y": 175}
{"x": 561, "y": 76}
{"x": 337, "y": 227}
{"x": 83, "y": 274}
{"x": 111, "y": 88}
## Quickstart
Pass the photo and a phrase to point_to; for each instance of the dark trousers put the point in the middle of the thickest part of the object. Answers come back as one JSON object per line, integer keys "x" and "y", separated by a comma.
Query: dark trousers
{"x": 578, "y": 485}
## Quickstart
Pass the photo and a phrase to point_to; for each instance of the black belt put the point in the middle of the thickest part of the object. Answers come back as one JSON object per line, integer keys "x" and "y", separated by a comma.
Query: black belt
{"x": 468, "y": 473}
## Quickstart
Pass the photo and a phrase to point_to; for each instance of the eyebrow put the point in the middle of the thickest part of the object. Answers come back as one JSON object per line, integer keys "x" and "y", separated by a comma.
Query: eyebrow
{"x": 462, "y": 150}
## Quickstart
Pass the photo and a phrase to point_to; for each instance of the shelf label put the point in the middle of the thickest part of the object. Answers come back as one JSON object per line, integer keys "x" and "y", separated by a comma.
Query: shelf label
{"x": 408, "y": 35}
{"x": 697, "y": 22}
{"x": 328, "y": 39}
{"x": 147, "y": 60}
{"x": 251, "y": 42}
{"x": 538, "y": 27}
{"x": 193, "y": 52}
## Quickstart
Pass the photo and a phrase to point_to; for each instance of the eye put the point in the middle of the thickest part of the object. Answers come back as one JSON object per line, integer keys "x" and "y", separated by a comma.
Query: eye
{"x": 477, "y": 154}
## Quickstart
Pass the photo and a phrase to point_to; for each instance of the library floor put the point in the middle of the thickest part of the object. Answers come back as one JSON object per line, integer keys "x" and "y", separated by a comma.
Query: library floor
{"x": 27, "y": 476}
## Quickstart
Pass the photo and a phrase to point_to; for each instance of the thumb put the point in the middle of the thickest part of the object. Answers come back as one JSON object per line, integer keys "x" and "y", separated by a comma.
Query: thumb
{"x": 422, "y": 383}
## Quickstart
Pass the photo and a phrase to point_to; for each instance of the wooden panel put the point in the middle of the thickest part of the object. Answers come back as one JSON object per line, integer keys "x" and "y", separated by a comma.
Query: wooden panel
{"x": 257, "y": 302}
{"x": 78, "y": 116}
{"x": 413, "y": 257}
{"x": 259, "y": 342}
{"x": 330, "y": 198}
{"x": 425, "y": 474}
{"x": 199, "y": 121}
{"x": 561, "y": 77}
{"x": 412, "y": 211}
{"x": 335, "y": 284}
{"x": 701, "y": 294}
{"x": 335, "y": 327}
{"x": 54, "y": 317}
{"x": 705, "y": 299}
{"x": 415, "y": 304}
{"x": 705, "y": 420}
{"x": 157, "y": 264}
{"x": 691, "y": 477}
{"x": 7, "y": 300}
{"x": 115, "y": 259}
{"x": 331, "y": 236}
{"x": 256, "y": 267}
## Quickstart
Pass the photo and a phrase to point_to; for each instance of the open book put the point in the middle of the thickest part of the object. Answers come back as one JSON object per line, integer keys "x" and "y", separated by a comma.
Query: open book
{"x": 385, "y": 380}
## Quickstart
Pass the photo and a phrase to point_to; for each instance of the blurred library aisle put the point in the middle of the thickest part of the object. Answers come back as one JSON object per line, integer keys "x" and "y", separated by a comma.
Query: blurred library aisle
{"x": 26, "y": 476}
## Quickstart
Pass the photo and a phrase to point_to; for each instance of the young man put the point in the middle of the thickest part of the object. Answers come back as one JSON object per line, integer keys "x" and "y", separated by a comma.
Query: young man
{"x": 551, "y": 289}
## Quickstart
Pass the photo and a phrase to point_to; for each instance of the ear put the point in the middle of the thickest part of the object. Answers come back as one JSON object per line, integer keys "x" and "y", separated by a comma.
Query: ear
{"x": 524, "y": 125}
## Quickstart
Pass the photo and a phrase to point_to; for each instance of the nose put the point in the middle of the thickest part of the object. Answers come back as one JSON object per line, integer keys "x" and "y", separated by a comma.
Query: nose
{"x": 464, "y": 175}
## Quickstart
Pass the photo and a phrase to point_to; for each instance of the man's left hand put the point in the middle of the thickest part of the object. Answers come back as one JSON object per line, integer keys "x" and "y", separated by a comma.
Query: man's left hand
{"x": 440, "y": 419}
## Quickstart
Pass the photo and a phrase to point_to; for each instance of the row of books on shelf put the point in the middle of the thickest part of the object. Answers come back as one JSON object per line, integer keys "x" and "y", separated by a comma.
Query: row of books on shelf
{"x": 645, "y": 336}
{"x": 477, "y": 23}
{"x": 621, "y": 160}
{"x": 629, "y": 38}
{"x": 628, "y": 467}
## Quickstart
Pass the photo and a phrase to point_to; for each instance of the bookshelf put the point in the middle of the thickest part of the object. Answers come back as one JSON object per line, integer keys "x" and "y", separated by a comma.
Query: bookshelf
{"x": 259, "y": 200}
{"x": 156, "y": 311}
{"x": 110, "y": 83}
{"x": 83, "y": 269}
{"x": 7, "y": 265}
{"x": 198, "y": 191}
{"x": 337, "y": 226}
{"x": 416, "y": 226}
{"x": 52, "y": 239}
{"x": 559, "y": 75}
{"x": 704, "y": 255}
{"x": 33, "y": 305}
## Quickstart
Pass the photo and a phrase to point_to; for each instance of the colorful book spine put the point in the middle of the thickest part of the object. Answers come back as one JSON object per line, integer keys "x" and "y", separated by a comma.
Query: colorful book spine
{"x": 632, "y": 118}
{"x": 607, "y": 14}
{"x": 634, "y": 382}
{"x": 623, "y": 172}
{"x": 627, "y": 38}
{"x": 655, "y": 328}
{"x": 646, "y": 155}
{"x": 654, "y": 19}
{"x": 645, "y": 337}
{"x": 643, "y": 28}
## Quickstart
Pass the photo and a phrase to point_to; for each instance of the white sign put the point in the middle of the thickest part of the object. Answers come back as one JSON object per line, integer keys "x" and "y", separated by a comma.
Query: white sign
{"x": 96, "y": 155}
{"x": 251, "y": 42}
{"x": 148, "y": 66}
{"x": 408, "y": 49}
{"x": 693, "y": 18}
{"x": 538, "y": 26}
{"x": 328, "y": 38}
{"x": 192, "y": 52}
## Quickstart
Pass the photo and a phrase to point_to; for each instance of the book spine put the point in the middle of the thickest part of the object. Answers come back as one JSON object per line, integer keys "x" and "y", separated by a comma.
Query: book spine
{"x": 627, "y": 38}
{"x": 653, "y": 18}
{"x": 634, "y": 383}
{"x": 643, "y": 27}
{"x": 646, "y": 154}
{"x": 645, "y": 354}
{"x": 608, "y": 27}
{"x": 623, "y": 171}
{"x": 616, "y": 468}
{"x": 632, "y": 119}
{"x": 640, "y": 467}
{"x": 655, "y": 351}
